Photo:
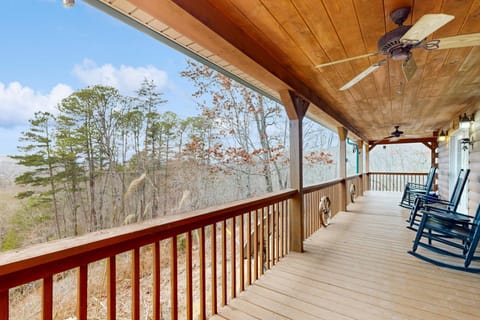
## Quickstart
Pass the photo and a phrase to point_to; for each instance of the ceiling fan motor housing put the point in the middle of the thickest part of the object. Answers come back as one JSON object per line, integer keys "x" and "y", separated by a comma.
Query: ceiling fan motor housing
{"x": 391, "y": 46}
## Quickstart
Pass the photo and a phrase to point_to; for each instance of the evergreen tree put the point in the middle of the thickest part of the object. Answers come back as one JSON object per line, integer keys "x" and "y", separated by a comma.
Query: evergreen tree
{"x": 39, "y": 154}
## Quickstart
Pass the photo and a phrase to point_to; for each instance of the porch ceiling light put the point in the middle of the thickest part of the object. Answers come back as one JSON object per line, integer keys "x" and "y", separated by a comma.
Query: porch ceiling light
{"x": 442, "y": 136}
{"x": 465, "y": 121}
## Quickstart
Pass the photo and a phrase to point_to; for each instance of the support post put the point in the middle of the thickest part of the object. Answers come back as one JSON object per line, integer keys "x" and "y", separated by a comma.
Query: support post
{"x": 367, "y": 167}
{"x": 360, "y": 167}
{"x": 299, "y": 106}
{"x": 342, "y": 170}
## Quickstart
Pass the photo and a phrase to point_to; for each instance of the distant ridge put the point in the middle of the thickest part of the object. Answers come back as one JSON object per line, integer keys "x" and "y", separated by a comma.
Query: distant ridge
{"x": 9, "y": 169}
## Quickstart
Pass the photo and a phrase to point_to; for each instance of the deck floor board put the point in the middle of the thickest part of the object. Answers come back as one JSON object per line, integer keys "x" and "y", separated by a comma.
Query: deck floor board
{"x": 358, "y": 268}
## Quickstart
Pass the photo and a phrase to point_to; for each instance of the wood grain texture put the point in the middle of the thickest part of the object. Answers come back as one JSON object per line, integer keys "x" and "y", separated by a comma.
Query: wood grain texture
{"x": 47, "y": 298}
{"x": 280, "y": 42}
{"x": 358, "y": 268}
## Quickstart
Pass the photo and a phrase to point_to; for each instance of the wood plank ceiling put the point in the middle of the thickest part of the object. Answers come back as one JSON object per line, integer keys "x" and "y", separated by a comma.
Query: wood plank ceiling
{"x": 278, "y": 43}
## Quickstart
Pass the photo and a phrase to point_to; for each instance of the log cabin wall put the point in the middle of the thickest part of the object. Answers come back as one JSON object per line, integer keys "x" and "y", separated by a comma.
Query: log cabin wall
{"x": 443, "y": 168}
{"x": 474, "y": 179}
{"x": 474, "y": 165}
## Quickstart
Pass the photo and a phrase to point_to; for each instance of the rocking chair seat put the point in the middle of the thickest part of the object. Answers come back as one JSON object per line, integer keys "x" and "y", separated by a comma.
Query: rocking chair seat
{"x": 452, "y": 230}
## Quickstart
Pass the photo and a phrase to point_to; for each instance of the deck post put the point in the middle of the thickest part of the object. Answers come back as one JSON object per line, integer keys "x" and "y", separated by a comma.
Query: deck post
{"x": 366, "y": 170}
{"x": 342, "y": 174}
{"x": 360, "y": 167}
{"x": 296, "y": 108}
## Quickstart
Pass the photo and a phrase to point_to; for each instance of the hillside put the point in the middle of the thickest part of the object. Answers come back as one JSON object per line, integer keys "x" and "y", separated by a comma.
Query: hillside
{"x": 9, "y": 169}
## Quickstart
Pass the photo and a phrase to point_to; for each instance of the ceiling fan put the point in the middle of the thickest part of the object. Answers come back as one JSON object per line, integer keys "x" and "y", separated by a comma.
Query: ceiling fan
{"x": 395, "y": 134}
{"x": 398, "y": 43}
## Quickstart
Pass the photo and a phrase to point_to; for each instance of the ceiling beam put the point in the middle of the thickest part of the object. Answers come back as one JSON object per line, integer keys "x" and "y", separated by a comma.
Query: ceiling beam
{"x": 426, "y": 141}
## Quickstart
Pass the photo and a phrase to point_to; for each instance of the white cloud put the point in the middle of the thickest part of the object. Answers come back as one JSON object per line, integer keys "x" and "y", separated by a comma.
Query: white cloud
{"x": 126, "y": 79}
{"x": 18, "y": 103}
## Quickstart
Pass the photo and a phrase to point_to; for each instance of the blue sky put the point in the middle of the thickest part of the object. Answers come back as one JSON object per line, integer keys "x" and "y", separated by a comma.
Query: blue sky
{"x": 49, "y": 51}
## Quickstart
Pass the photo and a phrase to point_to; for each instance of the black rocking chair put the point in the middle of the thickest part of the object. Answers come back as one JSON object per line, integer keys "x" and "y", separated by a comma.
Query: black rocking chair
{"x": 455, "y": 235}
{"x": 412, "y": 190}
{"x": 425, "y": 202}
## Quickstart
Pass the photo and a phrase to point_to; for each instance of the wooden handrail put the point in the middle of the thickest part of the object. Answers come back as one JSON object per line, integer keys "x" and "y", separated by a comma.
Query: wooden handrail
{"x": 35, "y": 262}
{"x": 399, "y": 173}
{"x": 393, "y": 181}
{"x": 43, "y": 261}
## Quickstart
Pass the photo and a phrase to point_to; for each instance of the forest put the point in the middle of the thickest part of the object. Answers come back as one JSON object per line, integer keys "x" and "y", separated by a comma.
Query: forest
{"x": 104, "y": 159}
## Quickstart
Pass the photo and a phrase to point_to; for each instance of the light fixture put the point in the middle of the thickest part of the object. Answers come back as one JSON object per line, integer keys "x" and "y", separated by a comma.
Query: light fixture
{"x": 466, "y": 142}
{"x": 400, "y": 88}
{"x": 442, "y": 136}
{"x": 465, "y": 121}
{"x": 68, "y": 3}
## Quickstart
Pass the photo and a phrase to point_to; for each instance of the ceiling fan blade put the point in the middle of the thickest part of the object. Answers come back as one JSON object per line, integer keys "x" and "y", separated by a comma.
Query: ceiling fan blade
{"x": 346, "y": 60}
{"x": 425, "y": 26}
{"x": 363, "y": 74}
{"x": 464, "y": 40}
{"x": 409, "y": 67}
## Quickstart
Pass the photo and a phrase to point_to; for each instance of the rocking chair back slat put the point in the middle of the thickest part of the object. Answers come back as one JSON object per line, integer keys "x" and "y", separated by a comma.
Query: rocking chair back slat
{"x": 412, "y": 190}
{"x": 458, "y": 189}
{"x": 426, "y": 202}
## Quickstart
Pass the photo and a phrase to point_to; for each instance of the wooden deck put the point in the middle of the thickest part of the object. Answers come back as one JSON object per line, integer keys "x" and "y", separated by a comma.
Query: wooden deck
{"x": 358, "y": 268}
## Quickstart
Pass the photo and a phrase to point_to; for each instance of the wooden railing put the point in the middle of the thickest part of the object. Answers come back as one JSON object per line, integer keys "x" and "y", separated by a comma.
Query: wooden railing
{"x": 354, "y": 187}
{"x": 393, "y": 181}
{"x": 226, "y": 248}
{"x": 332, "y": 190}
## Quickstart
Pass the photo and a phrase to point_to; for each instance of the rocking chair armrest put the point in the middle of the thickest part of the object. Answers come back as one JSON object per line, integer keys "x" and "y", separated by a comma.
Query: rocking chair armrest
{"x": 431, "y": 198}
{"x": 415, "y": 185}
{"x": 445, "y": 210}
{"x": 448, "y": 215}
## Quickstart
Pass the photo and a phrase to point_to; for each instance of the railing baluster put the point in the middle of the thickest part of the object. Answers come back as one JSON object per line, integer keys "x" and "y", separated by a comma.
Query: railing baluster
{"x": 47, "y": 298}
{"x": 280, "y": 229}
{"x": 312, "y": 213}
{"x": 224, "y": 263}
{"x": 241, "y": 263}
{"x": 262, "y": 240}
{"x": 82, "y": 292}
{"x": 4, "y": 304}
{"x": 284, "y": 217}
{"x": 136, "y": 284}
{"x": 213, "y": 262}
{"x": 111, "y": 288}
{"x": 203, "y": 287}
{"x": 173, "y": 278}
{"x": 157, "y": 309}
{"x": 249, "y": 248}
{"x": 277, "y": 229}
{"x": 188, "y": 275}
{"x": 274, "y": 236}
{"x": 267, "y": 239}
{"x": 255, "y": 245}
{"x": 287, "y": 245}
{"x": 233, "y": 273}
{"x": 306, "y": 231}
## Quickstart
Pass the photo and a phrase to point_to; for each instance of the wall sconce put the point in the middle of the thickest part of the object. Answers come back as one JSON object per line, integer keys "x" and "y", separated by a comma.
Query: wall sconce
{"x": 466, "y": 143}
{"x": 68, "y": 3}
{"x": 442, "y": 136}
{"x": 465, "y": 121}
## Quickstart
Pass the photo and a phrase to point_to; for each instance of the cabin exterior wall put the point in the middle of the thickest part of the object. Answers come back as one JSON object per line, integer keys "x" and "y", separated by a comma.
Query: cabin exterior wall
{"x": 443, "y": 162}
